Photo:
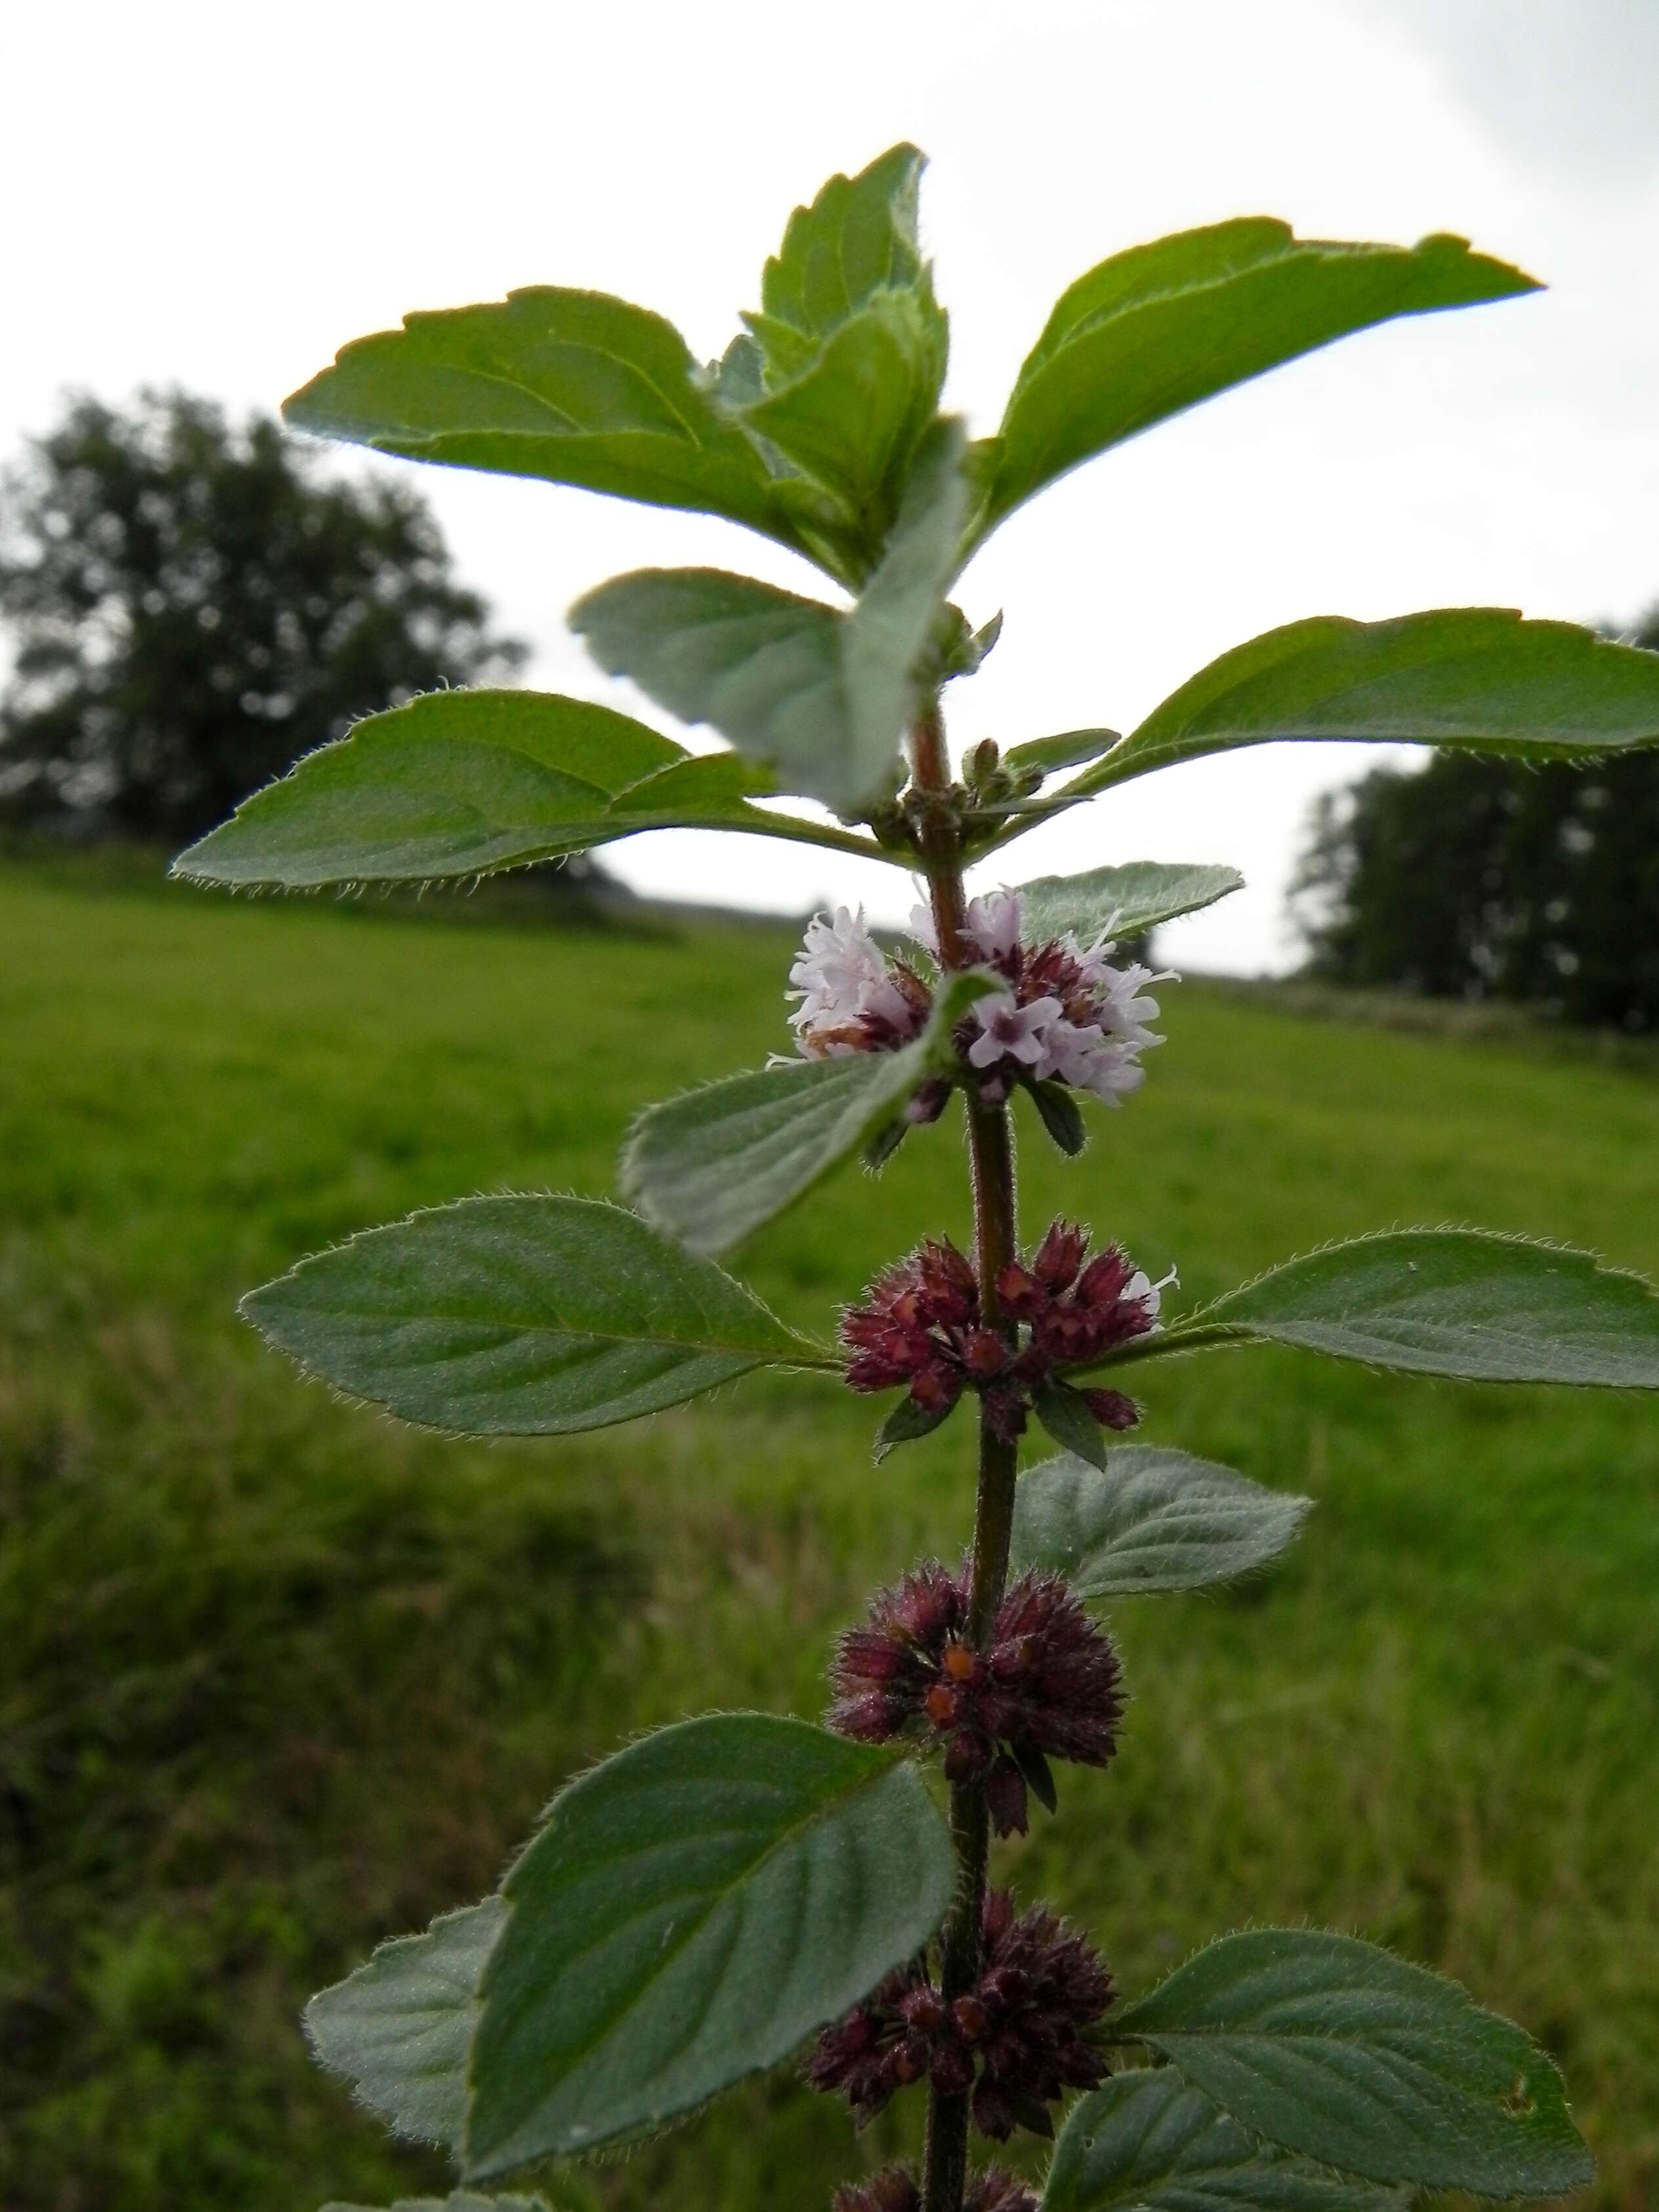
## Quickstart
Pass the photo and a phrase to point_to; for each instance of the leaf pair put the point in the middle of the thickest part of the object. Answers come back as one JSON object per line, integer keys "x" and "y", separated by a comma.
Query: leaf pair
{"x": 695, "y": 1907}
{"x": 805, "y": 433}
{"x": 689, "y": 1911}
{"x": 540, "y": 1316}
{"x": 459, "y": 783}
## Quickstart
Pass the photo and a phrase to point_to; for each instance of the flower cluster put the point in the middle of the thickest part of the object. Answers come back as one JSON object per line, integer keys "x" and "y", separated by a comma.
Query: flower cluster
{"x": 1017, "y": 2037}
{"x": 923, "y": 1326}
{"x": 852, "y": 998}
{"x": 1064, "y": 1015}
{"x": 895, "y": 2189}
{"x": 1046, "y": 1684}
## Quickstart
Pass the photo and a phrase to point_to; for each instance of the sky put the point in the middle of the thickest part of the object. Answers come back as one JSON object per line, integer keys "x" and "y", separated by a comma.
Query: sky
{"x": 221, "y": 196}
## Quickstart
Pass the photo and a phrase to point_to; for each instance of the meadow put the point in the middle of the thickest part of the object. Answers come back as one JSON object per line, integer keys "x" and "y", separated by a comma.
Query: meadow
{"x": 278, "y": 1678}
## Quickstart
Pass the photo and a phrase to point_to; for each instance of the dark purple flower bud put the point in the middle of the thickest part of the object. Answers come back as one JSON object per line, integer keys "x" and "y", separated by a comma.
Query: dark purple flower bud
{"x": 937, "y": 1387}
{"x": 995, "y": 2191}
{"x": 952, "y": 2069}
{"x": 1005, "y": 1411}
{"x": 896, "y": 2189}
{"x": 993, "y": 2110}
{"x": 1112, "y": 1409}
{"x": 927, "y": 1103}
{"x": 1019, "y": 1292}
{"x": 1058, "y": 1257}
{"x": 986, "y": 1354}
{"x": 1005, "y": 1797}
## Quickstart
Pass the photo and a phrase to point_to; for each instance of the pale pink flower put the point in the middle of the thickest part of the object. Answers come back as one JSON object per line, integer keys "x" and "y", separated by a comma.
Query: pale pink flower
{"x": 993, "y": 925}
{"x": 1009, "y": 1031}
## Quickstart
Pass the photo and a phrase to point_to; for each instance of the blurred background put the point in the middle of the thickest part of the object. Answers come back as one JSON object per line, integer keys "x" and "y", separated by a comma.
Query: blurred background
{"x": 278, "y": 1679}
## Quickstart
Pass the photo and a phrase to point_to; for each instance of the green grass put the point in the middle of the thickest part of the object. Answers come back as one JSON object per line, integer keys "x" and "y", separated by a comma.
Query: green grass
{"x": 278, "y": 1679}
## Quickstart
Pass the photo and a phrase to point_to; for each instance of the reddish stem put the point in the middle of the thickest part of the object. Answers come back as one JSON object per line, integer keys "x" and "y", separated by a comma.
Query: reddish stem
{"x": 991, "y": 1152}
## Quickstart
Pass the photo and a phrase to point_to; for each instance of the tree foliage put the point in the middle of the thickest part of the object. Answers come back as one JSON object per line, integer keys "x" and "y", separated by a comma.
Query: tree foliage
{"x": 195, "y": 607}
{"x": 1476, "y": 878}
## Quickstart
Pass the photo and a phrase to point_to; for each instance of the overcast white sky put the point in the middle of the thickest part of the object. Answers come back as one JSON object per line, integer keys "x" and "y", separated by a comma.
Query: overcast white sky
{"x": 222, "y": 196}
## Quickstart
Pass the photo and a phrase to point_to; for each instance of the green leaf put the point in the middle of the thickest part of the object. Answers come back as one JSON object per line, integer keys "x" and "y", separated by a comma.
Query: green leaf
{"x": 1039, "y": 1775}
{"x": 399, "y": 2027}
{"x": 1069, "y": 750}
{"x": 856, "y": 241}
{"x": 458, "y": 2200}
{"x": 907, "y": 1424}
{"x": 1452, "y": 1301}
{"x": 821, "y": 696}
{"x": 713, "y": 1165}
{"x": 576, "y": 387}
{"x": 1156, "y": 1520}
{"x": 1479, "y": 678}
{"x": 1064, "y": 1413}
{"x": 460, "y": 783}
{"x": 1333, "y": 2049}
{"x": 693, "y": 1909}
{"x": 520, "y": 1317}
{"x": 1158, "y": 328}
{"x": 850, "y": 346}
{"x": 1149, "y": 2142}
{"x": 1060, "y": 1114}
{"x": 1122, "y": 901}
{"x": 855, "y": 415}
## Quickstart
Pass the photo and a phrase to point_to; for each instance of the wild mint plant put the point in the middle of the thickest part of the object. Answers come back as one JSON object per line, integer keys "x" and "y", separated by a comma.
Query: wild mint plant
{"x": 744, "y": 1891}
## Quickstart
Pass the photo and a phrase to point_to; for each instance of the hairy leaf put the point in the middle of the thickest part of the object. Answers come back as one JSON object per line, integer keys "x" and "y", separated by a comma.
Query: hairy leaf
{"x": 1060, "y": 1114}
{"x": 520, "y": 1317}
{"x": 1333, "y": 2049}
{"x": 715, "y": 1163}
{"x": 821, "y": 696}
{"x": 1069, "y": 749}
{"x": 1064, "y": 1413}
{"x": 1124, "y": 900}
{"x": 1155, "y": 329}
{"x": 1155, "y": 1520}
{"x": 1149, "y": 2142}
{"x": 692, "y": 1909}
{"x": 907, "y": 1424}
{"x": 460, "y": 783}
{"x": 850, "y": 346}
{"x": 1481, "y": 678}
{"x": 855, "y": 414}
{"x": 399, "y": 2027}
{"x": 856, "y": 241}
{"x": 1454, "y": 1302}
{"x": 573, "y": 386}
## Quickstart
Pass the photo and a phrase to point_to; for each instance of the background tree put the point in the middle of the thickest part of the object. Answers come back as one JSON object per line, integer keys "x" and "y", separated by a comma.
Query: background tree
{"x": 193, "y": 608}
{"x": 1477, "y": 878}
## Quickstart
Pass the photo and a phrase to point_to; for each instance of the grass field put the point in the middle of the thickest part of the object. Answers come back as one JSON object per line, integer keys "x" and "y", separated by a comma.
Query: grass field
{"x": 278, "y": 1679}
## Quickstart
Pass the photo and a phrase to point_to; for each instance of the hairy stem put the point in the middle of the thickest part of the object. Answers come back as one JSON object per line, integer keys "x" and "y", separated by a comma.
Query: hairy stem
{"x": 991, "y": 1152}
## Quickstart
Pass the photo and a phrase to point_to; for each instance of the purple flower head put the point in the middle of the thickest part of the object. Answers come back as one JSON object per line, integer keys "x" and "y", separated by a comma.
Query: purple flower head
{"x": 895, "y": 2189}
{"x": 1046, "y": 1682}
{"x": 921, "y": 1327}
{"x": 1018, "y": 2037}
{"x": 852, "y": 998}
{"x": 1068, "y": 1016}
